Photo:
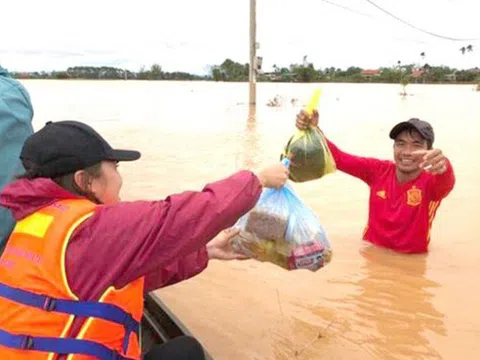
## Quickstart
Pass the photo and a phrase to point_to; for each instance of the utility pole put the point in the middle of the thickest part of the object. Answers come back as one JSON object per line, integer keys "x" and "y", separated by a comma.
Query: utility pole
{"x": 253, "y": 49}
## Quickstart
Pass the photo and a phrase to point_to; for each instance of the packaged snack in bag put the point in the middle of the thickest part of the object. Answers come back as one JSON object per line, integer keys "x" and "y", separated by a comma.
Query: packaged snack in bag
{"x": 282, "y": 230}
{"x": 308, "y": 151}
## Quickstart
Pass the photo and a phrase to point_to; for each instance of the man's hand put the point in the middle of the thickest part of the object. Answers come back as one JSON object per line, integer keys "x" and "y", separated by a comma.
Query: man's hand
{"x": 305, "y": 120}
{"x": 273, "y": 176}
{"x": 433, "y": 161}
{"x": 220, "y": 247}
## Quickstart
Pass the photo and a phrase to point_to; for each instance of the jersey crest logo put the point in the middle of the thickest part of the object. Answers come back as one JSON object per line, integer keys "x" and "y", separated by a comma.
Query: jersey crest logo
{"x": 382, "y": 194}
{"x": 414, "y": 196}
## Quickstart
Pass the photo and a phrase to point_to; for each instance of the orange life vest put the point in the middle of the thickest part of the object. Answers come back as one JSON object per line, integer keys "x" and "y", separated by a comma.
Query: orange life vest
{"x": 37, "y": 306}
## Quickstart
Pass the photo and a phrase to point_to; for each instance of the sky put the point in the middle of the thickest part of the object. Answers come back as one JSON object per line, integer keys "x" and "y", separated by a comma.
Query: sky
{"x": 190, "y": 35}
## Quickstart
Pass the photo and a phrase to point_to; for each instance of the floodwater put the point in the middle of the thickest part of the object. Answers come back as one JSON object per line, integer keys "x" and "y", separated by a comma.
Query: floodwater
{"x": 368, "y": 303}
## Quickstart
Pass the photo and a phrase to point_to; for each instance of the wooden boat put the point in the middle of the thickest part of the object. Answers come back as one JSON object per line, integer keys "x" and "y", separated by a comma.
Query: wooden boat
{"x": 159, "y": 324}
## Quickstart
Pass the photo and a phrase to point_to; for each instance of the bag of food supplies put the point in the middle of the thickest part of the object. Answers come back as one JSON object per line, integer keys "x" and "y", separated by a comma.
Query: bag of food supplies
{"x": 310, "y": 157}
{"x": 308, "y": 151}
{"x": 282, "y": 230}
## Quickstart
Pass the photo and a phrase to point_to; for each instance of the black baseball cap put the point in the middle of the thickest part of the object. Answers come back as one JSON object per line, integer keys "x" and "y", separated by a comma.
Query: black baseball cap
{"x": 63, "y": 147}
{"x": 423, "y": 127}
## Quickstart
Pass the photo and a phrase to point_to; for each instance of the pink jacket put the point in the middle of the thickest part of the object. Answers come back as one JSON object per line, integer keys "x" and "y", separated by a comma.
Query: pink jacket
{"x": 162, "y": 240}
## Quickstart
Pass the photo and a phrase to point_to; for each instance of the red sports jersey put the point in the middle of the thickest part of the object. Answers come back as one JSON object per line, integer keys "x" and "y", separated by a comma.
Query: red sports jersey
{"x": 400, "y": 214}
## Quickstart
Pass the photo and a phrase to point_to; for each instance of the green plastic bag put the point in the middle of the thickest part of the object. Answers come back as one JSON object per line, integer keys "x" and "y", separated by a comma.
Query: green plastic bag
{"x": 310, "y": 157}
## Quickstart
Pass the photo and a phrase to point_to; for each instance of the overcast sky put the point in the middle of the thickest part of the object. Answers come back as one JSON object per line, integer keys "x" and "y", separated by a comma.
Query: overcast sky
{"x": 188, "y": 35}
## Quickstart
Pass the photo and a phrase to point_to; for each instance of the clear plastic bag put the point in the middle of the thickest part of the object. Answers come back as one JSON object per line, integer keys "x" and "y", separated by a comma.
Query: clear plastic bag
{"x": 309, "y": 155}
{"x": 282, "y": 230}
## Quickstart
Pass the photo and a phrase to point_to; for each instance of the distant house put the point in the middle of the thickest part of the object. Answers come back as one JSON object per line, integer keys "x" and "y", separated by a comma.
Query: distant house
{"x": 22, "y": 75}
{"x": 370, "y": 73}
{"x": 419, "y": 74}
{"x": 416, "y": 73}
{"x": 279, "y": 77}
{"x": 452, "y": 76}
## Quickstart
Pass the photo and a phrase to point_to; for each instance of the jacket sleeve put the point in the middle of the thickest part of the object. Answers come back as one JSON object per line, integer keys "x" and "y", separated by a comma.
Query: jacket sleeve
{"x": 364, "y": 168}
{"x": 16, "y": 115}
{"x": 123, "y": 242}
{"x": 181, "y": 269}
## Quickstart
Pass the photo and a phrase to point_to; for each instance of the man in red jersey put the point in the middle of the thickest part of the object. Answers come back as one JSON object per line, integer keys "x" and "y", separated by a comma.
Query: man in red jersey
{"x": 404, "y": 194}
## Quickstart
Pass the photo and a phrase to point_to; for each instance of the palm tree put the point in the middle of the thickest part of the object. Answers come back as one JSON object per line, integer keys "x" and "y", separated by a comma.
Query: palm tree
{"x": 305, "y": 63}
{"x": 469, "y": 48}
{"x": 422, "y": 55}
{"x": 426, "y": 69}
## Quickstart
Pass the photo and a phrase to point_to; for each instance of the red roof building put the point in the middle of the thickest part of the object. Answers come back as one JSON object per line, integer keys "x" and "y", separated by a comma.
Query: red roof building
{"x": 370, "y": 72}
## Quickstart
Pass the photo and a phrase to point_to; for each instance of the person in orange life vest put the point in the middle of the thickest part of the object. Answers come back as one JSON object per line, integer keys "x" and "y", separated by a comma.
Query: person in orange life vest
{"x": 404, "y": 194}
{"x": 78, "y": 252}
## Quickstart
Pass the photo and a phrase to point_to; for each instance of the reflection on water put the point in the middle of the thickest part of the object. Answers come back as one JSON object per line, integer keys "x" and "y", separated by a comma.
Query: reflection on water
{"x": 391, "y": 308}
{"x": 250, "y": 138}
{"x": 387, "y": 313}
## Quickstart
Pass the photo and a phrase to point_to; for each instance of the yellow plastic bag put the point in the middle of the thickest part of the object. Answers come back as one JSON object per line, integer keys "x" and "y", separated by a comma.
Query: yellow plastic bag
{"x": 310, "y": 157}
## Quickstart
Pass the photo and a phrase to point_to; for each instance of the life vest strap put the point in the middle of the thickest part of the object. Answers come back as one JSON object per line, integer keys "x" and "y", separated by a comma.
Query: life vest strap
{"x": 59, "y": 346}
{"x": 85, "y": 309}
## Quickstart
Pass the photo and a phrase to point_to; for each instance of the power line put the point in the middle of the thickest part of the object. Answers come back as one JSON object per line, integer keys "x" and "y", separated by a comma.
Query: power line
{"x": 347, "y": 8}
{"x": 371, "y": 17}
{"x": 417, "y": 28}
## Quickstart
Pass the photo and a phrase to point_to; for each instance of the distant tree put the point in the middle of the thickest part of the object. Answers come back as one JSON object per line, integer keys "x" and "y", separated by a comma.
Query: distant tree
{"x": 155, "y": 72}
{"x": 404, "y": 82}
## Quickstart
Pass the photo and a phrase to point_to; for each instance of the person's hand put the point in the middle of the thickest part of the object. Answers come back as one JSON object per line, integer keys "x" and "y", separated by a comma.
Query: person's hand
{"x": 433, "y": 161}
{"x": 305, "y": 120}
{"x": 220, "y": 247}
{"x": 273, "y": 176}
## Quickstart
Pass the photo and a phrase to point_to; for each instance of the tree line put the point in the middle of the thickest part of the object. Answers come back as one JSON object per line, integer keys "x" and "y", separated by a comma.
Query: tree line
{"x": 232, "y": 71}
